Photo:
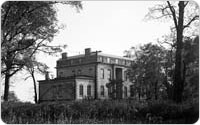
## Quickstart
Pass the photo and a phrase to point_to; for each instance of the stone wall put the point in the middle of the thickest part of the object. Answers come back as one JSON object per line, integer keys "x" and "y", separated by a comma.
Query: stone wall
{"x": 88, "y": 70}
{"x": 103, "y": 81}
{"x": 85, "y": 83}
{"x": 52, "y": 90}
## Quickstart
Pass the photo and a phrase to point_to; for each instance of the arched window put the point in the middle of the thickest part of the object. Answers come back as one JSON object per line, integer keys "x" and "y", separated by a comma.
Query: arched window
{"x": 102, "y": 90}
{"x": 89, "y": 90}
{"x": 81, "y": 90}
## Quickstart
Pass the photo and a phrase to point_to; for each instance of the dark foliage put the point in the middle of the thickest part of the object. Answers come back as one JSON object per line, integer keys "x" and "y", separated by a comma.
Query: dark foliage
{"x": 107, "y": 111}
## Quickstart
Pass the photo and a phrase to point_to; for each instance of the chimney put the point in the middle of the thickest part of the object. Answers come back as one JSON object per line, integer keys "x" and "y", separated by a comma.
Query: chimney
{"x": 64, "y": 55}
{"x": 87, "y": 51}
{"x": 47, "y": 75}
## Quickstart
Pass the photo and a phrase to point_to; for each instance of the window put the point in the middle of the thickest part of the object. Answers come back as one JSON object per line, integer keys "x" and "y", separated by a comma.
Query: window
{"x": 108, "y": 60}
{"x": 102, "y": 73}
{"x": 89, "y": 90}
{"x": 79, "y": 72}
{"x": 128, "y": 63}
{"x": 81, "y": 90}
{"x": 110, "y": 91}
{"x": 125, "y": 75}
{"x": 80, "y": 60}
{"x": 102, "y": 90}
{"x": 72, "y": 62}
{"x": 120, "y": 62}
{"x": 115, "y": 87}
{"x": 109, "y": 74}
{"x": 100, "y": 59}
{"x": 131, "y": 90}
{"x": 116, "y": 61}
{"x": 73, "y": 72}
{"x": 61, "y": 74}
{"x": 125, "y": 91}
{"x": 105, "y": 60}
{"x": 123, "y": 62}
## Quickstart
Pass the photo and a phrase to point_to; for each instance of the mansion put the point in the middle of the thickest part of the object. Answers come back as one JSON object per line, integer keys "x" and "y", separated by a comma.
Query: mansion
{"x": 86, "y": 75}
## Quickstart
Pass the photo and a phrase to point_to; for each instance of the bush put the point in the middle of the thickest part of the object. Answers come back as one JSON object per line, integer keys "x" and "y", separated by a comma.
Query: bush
{"x": 100, "y": 111}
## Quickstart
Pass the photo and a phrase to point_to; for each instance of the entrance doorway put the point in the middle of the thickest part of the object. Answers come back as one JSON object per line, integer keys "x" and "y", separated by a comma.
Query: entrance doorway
{"x": 118, "y": 74}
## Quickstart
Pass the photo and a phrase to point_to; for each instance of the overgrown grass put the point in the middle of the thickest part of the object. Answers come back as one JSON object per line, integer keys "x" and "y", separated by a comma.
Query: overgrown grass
{"x": 98, "y": 111}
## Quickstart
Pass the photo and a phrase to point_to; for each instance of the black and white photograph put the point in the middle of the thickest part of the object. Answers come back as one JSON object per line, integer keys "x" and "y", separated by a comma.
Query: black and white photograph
{"x": 100, "y": 62}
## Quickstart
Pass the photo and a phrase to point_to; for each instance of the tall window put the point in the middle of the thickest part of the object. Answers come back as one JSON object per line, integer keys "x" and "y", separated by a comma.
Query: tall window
{"x": 89, "y": 90}
{"x": 109, "y": 74}
{"x": 116, "y": 61}
{"x": 123, "y": 62}
{"x": 108, "y": 60}
{"x": 100, "y": 59}
{"x": 81, "y": 90}
{"x": 80, "y": 60}
{"x": 131, "y": 90}
{"x": 71, "y": 61}
{"x": 128, "y": 63}
{"x": 73, "y": 72}
{"x": 125, "y": 91}
{"x": 102, "y": 90}
{"x": 125, "y": 75}
{"x": 110, "y": 90}
{"x": 60, "y": 74}
{"x": 102, "y": 73}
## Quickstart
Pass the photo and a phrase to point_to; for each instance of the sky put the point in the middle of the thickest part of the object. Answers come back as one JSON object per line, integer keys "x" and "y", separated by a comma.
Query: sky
{"x": 109, "y": 26}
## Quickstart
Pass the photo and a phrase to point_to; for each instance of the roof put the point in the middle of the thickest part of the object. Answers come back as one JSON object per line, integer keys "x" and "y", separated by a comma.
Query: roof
{"x": 69, "y": 78}
{"x": 114, "y": 56}
{"x": 100, "y": 54}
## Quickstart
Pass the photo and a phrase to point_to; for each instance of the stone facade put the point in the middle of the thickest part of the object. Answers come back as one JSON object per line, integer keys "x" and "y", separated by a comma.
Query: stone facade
{"x": 53, "y": 90}
{"x": 86, "y": 75}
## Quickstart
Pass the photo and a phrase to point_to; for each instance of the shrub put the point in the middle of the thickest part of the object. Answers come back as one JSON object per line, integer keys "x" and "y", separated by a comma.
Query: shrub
{"x": 100, "y": 111}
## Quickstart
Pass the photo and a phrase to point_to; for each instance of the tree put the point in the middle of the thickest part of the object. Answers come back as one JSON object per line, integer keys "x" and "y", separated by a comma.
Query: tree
{"x": 191, "y": 58}
{"x": 32, "y": 66}
{"x": 136, "y": 72}
{"x": 177, "y": 14}
{"x": 12, "y": 97}
{"x": 115, "y": 88}
{"x": 168, "y": 72}
{"x": 146, "y": 70}
{"x": 26, "y": 26}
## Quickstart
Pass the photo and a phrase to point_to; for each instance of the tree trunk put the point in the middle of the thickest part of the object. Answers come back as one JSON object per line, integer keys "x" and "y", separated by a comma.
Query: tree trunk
{"x": 139, "y": 93}
{"x": 6, "y": 88}
{"x": 155, "y": 90}
{"x": 35, "y": 88}
{"x": 169, "y": 88}
{"x": 178, "y": 80}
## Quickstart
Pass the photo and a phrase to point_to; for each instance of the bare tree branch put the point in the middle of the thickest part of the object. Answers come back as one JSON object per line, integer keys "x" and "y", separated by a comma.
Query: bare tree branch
{"x": 186, "y": 2}
{"x": 164, "y": 15}
{"x": 27, "y": 78}
{"x": 6, "y": 15}
{"x": 192, "y": 20}
{"x": 173, "y": 14}
{"x": 16, "y": 71}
